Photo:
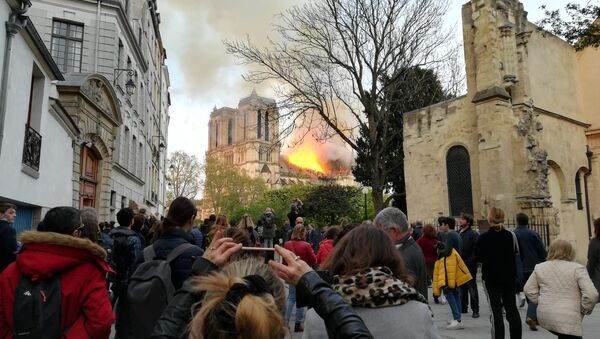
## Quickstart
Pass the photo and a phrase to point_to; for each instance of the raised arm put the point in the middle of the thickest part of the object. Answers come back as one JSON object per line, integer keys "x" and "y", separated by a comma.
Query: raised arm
{"x": 340, "y": 319}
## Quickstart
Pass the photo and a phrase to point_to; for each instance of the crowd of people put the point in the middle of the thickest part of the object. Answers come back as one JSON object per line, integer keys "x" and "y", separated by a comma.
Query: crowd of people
{"x": 74, "y": 277}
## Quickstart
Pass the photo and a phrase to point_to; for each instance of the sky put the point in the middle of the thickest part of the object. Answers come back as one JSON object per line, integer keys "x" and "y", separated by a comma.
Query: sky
{"x": 204, "y": 76}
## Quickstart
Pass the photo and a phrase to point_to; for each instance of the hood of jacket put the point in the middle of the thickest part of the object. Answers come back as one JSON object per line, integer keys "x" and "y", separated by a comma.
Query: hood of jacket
{"x": 45, "y": 254}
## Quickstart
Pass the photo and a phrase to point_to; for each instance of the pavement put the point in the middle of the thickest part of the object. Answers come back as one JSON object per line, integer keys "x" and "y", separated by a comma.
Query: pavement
{"x": 481, "y": 327}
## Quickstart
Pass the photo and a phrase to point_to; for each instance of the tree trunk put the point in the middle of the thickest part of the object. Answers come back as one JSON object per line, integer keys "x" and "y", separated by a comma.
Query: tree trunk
{"x": 377, "y": 196}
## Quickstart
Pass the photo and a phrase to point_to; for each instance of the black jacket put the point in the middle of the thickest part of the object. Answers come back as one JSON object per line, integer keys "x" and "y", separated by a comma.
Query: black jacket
{"x": 468, "y": 240}
{"x": 531, "y": 247}
{"x": 340, "y": 319}
{"x": 8, "y": 244}
{"x": 267, "y": 221}
{"x": 415, "y": 263}
{"x": 593, "y": 265}
{"x": 495, "y": 250}
{"x": 182, "y": 266}
{"x": 173, "y": 322}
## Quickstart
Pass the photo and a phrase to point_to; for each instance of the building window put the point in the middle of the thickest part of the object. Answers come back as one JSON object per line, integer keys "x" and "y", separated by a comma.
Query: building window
{"x": 245, "y": 115}
{"x": 32, "y": 144}
{"x": 66, "y": 45}
{"x": 264, "y": 154}
{"x": 229, "y": 158}
{"x": 140, "y": 164}
{"x": 131, "y": 166}
{"x": 230, "y": 131}
{"x": 258, "y": 125}
{"x": 126, "y": 148}
{"x": 458, "y": 168}
{"x": 267, "y": 125}
{"x": 216, "y": 134}
{"x": 578, "y": 191}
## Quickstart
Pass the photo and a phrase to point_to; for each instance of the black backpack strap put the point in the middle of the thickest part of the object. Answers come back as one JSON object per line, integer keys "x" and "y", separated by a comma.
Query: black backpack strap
{"x": 149, "y": 253}
{"x": 179, "y": 250}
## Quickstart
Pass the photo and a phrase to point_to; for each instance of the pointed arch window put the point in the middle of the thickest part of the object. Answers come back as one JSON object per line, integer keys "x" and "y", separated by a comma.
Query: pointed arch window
{"x": 267, "y": 125}
{"x": 458, "y": 169}
{"x": 578, "y": 190}
{"x": 216, "y": 134}
{"x": 258, "y": 124}
{"x": 230, "y": 131}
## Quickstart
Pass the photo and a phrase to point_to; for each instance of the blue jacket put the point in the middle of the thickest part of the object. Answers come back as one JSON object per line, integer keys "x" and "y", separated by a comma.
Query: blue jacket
{"x": 182, "y": 266}
{"x": 198, "y": 237}
{"x": 531, "y": 247}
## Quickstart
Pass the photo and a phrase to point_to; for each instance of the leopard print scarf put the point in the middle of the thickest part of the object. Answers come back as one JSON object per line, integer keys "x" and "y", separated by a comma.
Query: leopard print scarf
{"x": 375, "y": 287}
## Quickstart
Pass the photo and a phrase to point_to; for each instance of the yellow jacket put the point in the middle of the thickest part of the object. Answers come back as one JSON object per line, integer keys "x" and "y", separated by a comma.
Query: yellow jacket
{"x": 450, "y": 272}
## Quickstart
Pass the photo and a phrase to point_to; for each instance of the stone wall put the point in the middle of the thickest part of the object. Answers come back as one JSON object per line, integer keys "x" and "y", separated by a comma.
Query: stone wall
{"x": 428, "y": 134}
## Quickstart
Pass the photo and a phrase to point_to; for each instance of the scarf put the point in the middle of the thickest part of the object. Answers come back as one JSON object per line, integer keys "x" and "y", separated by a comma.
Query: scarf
{"x": 375, "y": 287}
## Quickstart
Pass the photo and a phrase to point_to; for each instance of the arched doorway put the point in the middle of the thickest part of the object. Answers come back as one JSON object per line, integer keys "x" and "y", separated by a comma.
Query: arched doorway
{"x": 458, "y": 170}
{"x": 88, "y": 180}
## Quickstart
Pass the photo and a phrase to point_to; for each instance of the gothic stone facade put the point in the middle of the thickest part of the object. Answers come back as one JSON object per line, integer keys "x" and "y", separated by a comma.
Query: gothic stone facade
{"x": 247, "y": 137}
{"x": 518, "y": 139}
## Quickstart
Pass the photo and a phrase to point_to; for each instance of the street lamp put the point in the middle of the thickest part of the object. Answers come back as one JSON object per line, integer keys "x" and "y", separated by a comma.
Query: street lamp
{"x": 365, "y": 190}
{"x": 129, "y": 85}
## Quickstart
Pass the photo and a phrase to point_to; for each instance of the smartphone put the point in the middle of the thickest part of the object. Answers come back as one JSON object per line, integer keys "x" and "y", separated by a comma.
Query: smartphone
{"x": 267, "y": 253}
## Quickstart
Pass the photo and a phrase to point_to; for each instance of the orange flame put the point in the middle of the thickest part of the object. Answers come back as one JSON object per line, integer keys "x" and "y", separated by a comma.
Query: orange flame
{"x": 305, "y": 158}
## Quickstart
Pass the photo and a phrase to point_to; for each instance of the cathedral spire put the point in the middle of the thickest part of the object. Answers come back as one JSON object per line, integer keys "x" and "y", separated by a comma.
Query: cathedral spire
{"x": 253, "y": 94}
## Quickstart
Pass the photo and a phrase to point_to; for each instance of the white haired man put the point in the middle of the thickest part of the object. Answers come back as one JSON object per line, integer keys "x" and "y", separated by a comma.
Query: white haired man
{"x": 394, "y": 222}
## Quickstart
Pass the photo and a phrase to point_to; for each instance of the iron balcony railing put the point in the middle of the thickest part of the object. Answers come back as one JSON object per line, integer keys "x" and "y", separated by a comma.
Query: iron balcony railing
{"x": 32, "y": 148}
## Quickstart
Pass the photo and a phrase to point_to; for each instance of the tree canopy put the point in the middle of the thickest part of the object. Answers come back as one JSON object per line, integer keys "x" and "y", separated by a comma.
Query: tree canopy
{"x": 227, "y": 188}
{"x": 183, "y": 176}
{"x": 581, "y": 28}
{"x": 409, "y": 89}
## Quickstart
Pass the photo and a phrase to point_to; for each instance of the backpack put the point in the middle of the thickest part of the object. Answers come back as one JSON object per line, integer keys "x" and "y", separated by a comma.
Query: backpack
{"x": 36, "y": 310}
{"x": 123, "y": 256}
{"x": 151, "y": 289}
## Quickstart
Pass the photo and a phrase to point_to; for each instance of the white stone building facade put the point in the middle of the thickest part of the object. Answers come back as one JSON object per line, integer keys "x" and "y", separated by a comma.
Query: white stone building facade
{"x": 116, "y": 89}
{"x": 37, "y": 133}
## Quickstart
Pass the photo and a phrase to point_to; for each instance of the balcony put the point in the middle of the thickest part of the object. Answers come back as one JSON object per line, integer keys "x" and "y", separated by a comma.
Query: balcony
{"x": 32, "y": 148}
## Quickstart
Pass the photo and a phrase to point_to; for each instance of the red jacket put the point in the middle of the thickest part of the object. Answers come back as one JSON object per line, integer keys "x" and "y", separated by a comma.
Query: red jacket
{"x": 303, "y": 250}
{"x": 324, "y": 249}
{"x": 428, "y": 245}
{"x": 85, "y": 307}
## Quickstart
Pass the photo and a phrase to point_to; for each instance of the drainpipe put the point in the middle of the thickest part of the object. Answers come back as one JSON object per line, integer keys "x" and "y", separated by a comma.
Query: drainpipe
{"x": 97, "y": 36}
{"x": 15, "y": 23}
{"x": 589, "y": 155}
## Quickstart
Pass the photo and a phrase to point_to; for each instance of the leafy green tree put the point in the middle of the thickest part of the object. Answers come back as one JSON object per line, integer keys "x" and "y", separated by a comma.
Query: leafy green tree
{"x": 227, "y": 188}
{"x": 409, "y": 89}
{"x": 329, "y": 203}
{"x": 581, "y": 28}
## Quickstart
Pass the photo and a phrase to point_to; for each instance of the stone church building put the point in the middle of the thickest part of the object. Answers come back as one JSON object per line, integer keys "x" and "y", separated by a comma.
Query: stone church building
{"x": 525, "y": 137}
{"x": 247, "y": 137}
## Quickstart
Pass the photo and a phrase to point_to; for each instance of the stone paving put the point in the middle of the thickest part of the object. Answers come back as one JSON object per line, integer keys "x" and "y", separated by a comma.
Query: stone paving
{"x": 481, "y": 327}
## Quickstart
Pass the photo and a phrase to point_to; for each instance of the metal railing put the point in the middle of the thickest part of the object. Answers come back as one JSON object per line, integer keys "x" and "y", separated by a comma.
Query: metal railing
{"x": 32, "y": 148}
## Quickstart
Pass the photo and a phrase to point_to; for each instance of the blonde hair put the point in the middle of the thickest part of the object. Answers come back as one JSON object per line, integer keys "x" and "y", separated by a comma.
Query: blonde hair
{"x": 561, "y": 250}
{"x": 496, "y": 217}
{"x": 256, "y": 316}
{"x": 221, "y": 224}
{"x": 298, "y": 232}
